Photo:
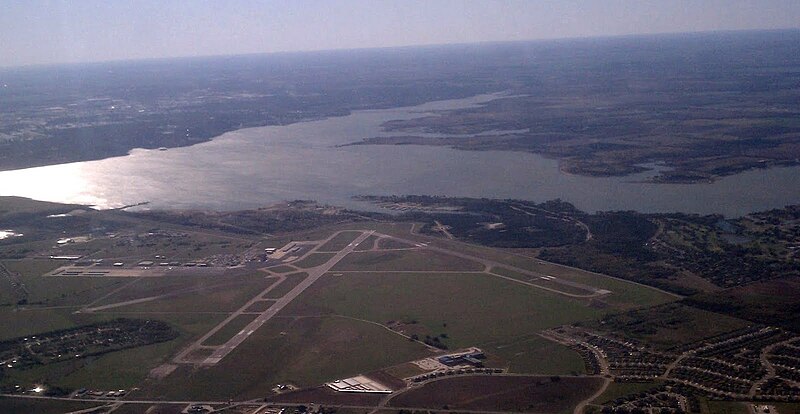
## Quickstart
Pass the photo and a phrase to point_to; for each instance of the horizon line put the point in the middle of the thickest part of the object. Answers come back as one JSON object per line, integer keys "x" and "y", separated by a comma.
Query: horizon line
{"x": 376, "y": 48}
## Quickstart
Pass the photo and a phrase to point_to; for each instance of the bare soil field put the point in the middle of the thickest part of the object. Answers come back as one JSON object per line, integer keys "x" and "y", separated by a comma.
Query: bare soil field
{"x": 501, "y": 393}
{"x": 325, "y": 395}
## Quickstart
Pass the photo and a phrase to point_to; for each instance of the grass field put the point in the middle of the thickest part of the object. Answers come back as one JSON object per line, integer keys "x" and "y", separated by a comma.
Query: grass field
{"x": 306, "y": 351}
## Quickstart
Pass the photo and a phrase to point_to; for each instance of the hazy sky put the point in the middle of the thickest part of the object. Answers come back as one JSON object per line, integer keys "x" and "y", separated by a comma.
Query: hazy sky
{"x": 33, "y": 31}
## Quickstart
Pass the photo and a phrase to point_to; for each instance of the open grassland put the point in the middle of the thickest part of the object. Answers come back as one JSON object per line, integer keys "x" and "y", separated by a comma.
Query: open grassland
{"x": 313, "y": 260}
{"x": 669, "y": 325}
{"x": 121, "y": 369}
{"x": 284, "y": 287}
{"x": 213, "y": 299}
{"x": 500, "y": 393}
{"x": 549, "y": 284}
{"x": 260, "y": 306}
{"x": 156, "y": 286}
{"x": 47, "y": 291}
{"x": 305, "y": 351}
{"x": 16, "y": 205}
{"x": 725, "y": 407}
{"x": 367, "y": 244}
{"x": 22, "y": 322}
{"x": 471, "y": 308}
{"x": 410, "y": 260}
{"x": 281, "y": 269}
{"x": 339, "y": 242}
{"x": 536, "y": 355}
{"x": 229, "y": 330}
{"x": 390, "y": 243}
{"x": 788, "y": 408}
{"x": 620, "y": 389}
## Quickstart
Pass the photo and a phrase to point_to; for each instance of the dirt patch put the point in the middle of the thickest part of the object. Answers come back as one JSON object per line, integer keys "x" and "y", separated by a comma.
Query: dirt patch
{"x": 387, "y": 379}
{"x": 162, "y": 371}
{"x": 326, "y": 396}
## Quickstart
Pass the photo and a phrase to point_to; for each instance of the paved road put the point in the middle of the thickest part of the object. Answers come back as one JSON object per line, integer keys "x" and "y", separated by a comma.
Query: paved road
{"x": 314, "y": 274}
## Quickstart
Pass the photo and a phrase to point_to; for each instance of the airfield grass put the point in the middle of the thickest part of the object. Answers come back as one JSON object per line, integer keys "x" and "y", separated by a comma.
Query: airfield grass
{"x": 281, "y": 269}
{"x": 314, "y": 260}
{"x": 390, "y": 243}
{"x": 367, "y": 244}
{"x": 282, "y": 289}
{"x": 540, "y": 282}
{"x": 409, "y": 260}
{"x": 156, "y": 286}
{"x": 226, "y": 298}
{"x": 229, "y": 330}
{"x": 260, "y": 306}
{"x": 471, "y": 308}
{"x": 624, "y": 294}
{"x": 339, "y": 242}
{"x": 304, "y": 351}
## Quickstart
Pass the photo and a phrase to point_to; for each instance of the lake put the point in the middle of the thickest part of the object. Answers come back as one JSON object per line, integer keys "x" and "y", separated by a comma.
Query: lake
{"x": 254, "y": 167}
